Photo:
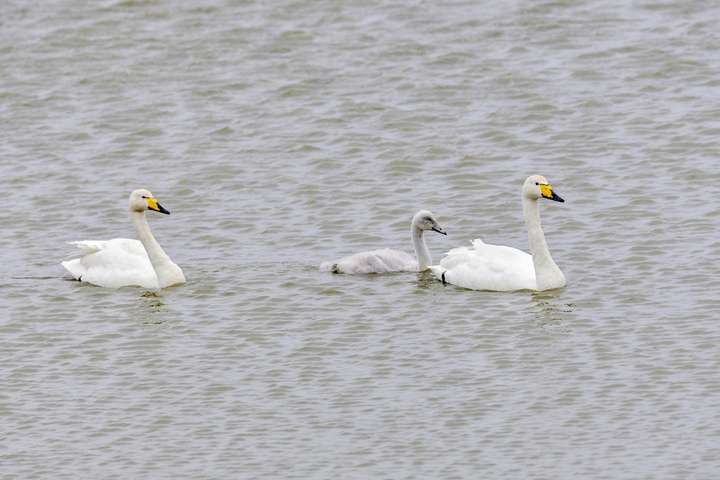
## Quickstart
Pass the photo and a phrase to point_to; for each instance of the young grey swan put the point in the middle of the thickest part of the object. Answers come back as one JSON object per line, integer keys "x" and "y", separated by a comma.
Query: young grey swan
{"x": 386, "y": 260}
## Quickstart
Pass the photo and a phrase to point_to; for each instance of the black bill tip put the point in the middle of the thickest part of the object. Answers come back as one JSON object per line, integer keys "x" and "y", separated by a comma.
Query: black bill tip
{"x": 162, "y": 209}
{"x": 557, "y": 198}
{"x": 439, "y": 230}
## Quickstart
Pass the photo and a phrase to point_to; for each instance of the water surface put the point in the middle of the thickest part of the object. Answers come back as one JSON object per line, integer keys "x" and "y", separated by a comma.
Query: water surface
{"x": 284, "y": 134}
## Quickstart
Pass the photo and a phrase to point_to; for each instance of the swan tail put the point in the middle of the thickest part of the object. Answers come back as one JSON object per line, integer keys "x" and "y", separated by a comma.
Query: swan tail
{"x": 478, "y": 244}
{"x": 330, "y": 267}
{"x": 439, "y": 272}
{"x": 74, "y": 268}
{"x": 74, "y": 263}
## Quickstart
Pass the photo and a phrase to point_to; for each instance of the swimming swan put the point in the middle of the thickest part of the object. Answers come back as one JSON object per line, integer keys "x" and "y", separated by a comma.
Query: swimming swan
{"x": 122, "y": 261}
{"x": 386, "y": 260}
{"x": 500, "y": 268}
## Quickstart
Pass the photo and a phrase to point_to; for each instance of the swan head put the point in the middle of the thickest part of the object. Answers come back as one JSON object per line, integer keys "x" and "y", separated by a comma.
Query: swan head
{"x": 141, "y": 200}
{"x": 537, "y": 187}
{"x": 425, "y": 220}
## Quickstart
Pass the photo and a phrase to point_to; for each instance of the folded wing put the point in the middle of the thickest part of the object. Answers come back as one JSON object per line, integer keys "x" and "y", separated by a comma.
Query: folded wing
{"x": 112, "y": 263}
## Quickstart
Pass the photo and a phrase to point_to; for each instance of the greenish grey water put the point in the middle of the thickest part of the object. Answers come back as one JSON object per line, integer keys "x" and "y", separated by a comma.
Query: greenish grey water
{"x": 283, "y": 134}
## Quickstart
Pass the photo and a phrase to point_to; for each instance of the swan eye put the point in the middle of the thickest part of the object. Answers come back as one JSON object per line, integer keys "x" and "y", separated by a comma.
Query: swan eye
{"x": 537, "y": 183}
{"x": 146, "y": 197}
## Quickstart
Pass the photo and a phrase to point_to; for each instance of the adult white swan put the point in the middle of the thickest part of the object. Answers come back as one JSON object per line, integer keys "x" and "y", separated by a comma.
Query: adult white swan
{"x": 500, "y": 268}
{"x": 387, "y": 260}
{"x": 123, "y": 262}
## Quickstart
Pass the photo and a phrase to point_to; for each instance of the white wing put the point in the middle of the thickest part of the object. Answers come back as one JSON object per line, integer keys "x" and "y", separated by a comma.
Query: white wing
{"x": 376, "y": 261}
{"x": 487, "y": 267}
{"x": 112, "y": 263}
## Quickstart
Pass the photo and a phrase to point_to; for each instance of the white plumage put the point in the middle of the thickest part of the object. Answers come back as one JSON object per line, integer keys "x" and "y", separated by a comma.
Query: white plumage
{"x": 127, "y": 262}
{"x": 500, "y": 268}
{"x": 487, "y": 267}
{"x": 113, "y": 263}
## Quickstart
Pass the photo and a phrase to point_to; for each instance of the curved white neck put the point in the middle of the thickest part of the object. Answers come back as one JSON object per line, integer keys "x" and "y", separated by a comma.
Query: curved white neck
{"x": 157, "y": 255}
{"x": 547, "y": 273}
{"x": 421, "y": 250}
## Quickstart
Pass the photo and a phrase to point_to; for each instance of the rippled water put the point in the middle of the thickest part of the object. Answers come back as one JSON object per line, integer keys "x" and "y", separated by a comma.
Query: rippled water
{"x": 283, "y": 134}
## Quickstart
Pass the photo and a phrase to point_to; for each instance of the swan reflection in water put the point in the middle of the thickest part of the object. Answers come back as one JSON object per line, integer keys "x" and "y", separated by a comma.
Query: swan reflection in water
{"x": 549, "y": 312}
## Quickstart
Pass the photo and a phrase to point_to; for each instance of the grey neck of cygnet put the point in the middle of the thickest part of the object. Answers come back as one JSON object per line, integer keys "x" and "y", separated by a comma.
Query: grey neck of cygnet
{"x": 547, "y": 273}
{"x": 421, "y": 250}
{"x": 155, "y": 252}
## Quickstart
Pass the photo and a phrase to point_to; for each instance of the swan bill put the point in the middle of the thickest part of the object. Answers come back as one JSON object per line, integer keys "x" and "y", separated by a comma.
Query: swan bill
{"x": 439, "y": 230}
{"x": 155, "y": 206}
{"x": 547, "y": 192}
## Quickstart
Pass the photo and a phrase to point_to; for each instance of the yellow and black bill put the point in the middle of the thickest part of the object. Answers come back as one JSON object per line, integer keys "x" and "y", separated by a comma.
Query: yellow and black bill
{"x": 547, "y": 192}
{"x": 154, "y": 205}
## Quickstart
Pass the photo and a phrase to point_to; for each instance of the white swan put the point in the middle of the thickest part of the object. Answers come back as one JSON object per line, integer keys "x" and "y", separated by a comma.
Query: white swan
{"x": 386, "y": 260}
{"x": 123, "y": 262}
{"x": 500, "y": 268}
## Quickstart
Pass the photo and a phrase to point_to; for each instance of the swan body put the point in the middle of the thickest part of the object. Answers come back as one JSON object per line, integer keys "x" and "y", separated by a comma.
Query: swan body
{"x": 387, "y": 260}
{"x": 488, "y": 267}
{"x": 500, "y": 268}
{"x": 124, "y": 262}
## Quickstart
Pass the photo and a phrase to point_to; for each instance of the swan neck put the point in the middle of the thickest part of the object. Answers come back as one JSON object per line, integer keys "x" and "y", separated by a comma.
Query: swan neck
{"x": 421, "y": 250}
{"x": 156, "y": 254}
{"x": 547, "y": 273}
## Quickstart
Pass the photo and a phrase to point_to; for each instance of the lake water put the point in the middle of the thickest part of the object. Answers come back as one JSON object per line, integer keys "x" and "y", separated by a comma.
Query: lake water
{"x": 283, "y": 134}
